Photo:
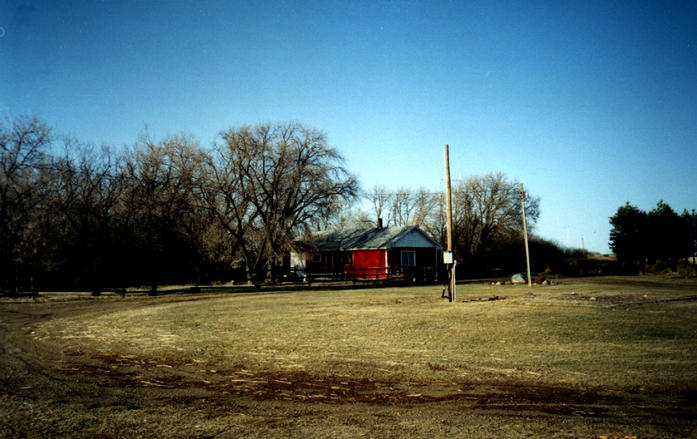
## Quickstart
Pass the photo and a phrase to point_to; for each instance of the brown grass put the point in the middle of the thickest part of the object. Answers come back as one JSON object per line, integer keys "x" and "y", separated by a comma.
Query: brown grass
{"x": 591, "y": 348}
{"x": 575, "y": 333}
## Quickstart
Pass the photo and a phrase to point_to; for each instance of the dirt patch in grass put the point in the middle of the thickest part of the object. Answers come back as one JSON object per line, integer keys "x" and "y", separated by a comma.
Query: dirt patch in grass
{"x": 310, "y": 387}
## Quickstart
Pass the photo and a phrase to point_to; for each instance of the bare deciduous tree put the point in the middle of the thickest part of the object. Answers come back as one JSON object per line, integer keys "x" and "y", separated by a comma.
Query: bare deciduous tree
{"x": 380, "y": 198}
{"x": 23, "y": 145}
{"x": 435, "y": 221}
{"x": 404, "y": 207}
{"x": 270, "y": 182}
{"x": 83, "y": 194}
{"x": 485, "y": 209}
{"x": 158, "y": 203}
{"x": 401, "y": 207}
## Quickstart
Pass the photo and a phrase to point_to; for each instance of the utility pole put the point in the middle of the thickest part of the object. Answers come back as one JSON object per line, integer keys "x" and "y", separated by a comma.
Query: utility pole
{"x": 449, "y": 209}
{"x": 525, "y": 233}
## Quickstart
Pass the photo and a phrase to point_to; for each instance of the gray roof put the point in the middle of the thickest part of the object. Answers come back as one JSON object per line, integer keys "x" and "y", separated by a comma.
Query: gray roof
{"x": 367, "y": 239}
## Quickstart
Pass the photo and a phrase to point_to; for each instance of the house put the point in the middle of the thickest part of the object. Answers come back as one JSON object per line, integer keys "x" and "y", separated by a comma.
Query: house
{"x": 380, "y": 253}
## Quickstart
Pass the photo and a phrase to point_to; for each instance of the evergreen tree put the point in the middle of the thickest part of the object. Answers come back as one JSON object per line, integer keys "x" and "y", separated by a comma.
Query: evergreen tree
{"x": 628, "y": 234}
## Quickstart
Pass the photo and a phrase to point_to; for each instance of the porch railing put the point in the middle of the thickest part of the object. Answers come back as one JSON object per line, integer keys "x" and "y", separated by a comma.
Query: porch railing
{"x": 406, "y": 274}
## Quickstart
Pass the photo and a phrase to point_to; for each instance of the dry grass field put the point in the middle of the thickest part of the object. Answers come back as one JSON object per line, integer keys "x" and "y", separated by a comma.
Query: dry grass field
{"x": 610, "y": 356}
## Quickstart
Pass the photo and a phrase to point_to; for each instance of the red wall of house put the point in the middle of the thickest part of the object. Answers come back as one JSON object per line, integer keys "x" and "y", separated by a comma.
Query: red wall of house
{"x": 369, "y": 264}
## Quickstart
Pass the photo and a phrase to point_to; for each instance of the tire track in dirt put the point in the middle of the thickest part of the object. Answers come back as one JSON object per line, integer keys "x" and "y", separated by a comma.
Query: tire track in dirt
{"x": 220, "y": 386}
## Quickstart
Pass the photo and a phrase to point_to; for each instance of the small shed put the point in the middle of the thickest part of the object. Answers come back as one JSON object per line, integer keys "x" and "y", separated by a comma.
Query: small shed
{"x": 370, "y": 253}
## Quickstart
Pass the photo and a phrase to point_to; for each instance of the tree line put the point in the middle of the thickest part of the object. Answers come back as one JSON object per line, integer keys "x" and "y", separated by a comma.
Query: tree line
{"x": 659, "y": 238}
{"x": 79, "y": 217}
{"x": 76, "y": 216}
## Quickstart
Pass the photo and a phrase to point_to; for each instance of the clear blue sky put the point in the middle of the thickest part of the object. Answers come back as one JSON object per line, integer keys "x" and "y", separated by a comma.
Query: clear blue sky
{"x": 589, "y": 103}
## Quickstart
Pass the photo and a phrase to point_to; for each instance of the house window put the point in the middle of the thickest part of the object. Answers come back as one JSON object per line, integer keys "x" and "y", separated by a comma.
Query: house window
{"x": 317, "y": 257}
{"x": 408, "y": 258}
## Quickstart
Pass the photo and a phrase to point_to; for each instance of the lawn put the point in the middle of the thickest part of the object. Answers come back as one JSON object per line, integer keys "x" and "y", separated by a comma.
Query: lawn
{"x": 583, "y": 352}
